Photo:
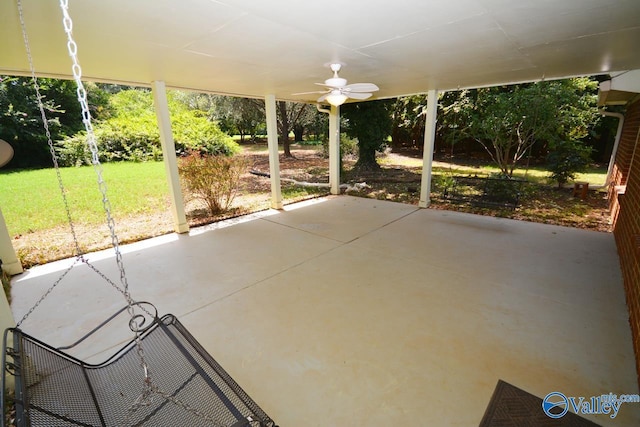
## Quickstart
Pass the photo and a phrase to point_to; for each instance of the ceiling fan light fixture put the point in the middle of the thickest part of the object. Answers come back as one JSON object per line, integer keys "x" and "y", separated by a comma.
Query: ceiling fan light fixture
{"x": 336, "y": 98}
{"x": 337, "y": 91}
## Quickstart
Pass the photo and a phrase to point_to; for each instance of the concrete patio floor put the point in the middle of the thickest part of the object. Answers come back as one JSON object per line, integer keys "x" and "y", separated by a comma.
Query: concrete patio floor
{"x": 356, "y": 312}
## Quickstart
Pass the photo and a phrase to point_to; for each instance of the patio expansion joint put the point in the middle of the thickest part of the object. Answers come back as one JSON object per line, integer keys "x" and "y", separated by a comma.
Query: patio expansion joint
{"x": 400, "y": 218}
{"x": 292, "y": 227}
{"x": 324, "y": 236}
{"x": 340, "y": 244}
{"x": 262, "y": 280}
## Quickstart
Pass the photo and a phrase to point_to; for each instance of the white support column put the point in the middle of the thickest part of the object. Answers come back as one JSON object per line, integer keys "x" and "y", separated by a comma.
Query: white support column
{"x": 274, "y": 159}
{"x": 427, "y": 156}
{"x": 10, "y": 262}
{"x": 334, "y": 149}
{"x": 180, "y": 224}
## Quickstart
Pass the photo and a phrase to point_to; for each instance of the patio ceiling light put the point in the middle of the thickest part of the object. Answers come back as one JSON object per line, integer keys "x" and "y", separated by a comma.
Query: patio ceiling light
{"x": 336, "y": 98}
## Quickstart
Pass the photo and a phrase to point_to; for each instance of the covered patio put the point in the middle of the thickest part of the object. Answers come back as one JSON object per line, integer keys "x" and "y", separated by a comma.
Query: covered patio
{"x": 347, "y": 311}
{"x": 350, "y": 311}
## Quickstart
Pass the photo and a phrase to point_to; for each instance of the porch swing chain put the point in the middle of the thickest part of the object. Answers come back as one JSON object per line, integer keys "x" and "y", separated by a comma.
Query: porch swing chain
{"x": 54, "y": 158}
{"x": 91, "y": 141}
{"x": 144, "y": 398}
{"x": 149, "y": 387}
{"x": 46, "y": 128}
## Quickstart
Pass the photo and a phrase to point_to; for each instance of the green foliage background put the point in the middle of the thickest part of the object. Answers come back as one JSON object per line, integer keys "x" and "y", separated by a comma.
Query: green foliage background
{"x": 21, "y": 122}
{"x": 131, "y": 133}
{"x": 369, "y": 122}
{"x": 509, "y": 123}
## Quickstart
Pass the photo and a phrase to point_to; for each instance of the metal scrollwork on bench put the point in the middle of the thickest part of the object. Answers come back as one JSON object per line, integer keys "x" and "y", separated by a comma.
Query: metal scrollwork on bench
{"x": 11, "y": 367}
{"x": 137, "y": 321}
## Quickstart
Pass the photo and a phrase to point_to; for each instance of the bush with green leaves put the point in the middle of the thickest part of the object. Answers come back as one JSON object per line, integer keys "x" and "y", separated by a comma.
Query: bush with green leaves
{"x": 21, "y": 120}
{"x": 212, "y": 179}
{"x": 513, "y": 122}
{"x": 131, "y": 133}
{"x": 370, "y": 123}
{"x": 566, "y": 159}
{"x": 348, "y": 147}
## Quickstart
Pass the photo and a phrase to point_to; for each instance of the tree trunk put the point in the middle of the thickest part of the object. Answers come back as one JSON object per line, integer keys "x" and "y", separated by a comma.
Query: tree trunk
{"x": 366, "y": 160}
{"x": 284, "y": 128}
{"x": 298, "y": 133}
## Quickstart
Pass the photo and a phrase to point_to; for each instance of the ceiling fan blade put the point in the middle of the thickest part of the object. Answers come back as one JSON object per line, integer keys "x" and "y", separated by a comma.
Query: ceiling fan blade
{"x": 323, "y": 97}
{"x": 336, "y": 86}
{"x": 361, "y": 87}
{"x": 308, "y": 93}
{"x": 357, "y": 95}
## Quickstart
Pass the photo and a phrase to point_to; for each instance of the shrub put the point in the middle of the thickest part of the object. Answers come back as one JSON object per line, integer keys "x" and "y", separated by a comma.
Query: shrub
{"x": 501, "y": 188}
{"x": 132, "y": 134}
{"x": 348, "y": 147}
{"x": 566, "y": 159}
{"x": 212, "y": 179}
{"x": 192, "y": 131}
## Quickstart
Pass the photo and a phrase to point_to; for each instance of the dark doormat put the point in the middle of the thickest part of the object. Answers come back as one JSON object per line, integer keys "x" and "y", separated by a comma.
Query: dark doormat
{"x": 512, "y": 407}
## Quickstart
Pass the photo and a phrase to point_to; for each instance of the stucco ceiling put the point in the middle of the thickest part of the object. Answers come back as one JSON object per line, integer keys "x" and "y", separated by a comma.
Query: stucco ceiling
{"x": 259, "y": 47}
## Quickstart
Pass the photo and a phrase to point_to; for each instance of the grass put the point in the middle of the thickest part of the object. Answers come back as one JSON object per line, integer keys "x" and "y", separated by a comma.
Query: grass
{"x": 31, "y": 199}
{"x": 595, "y": 176}
{"x": 34, "y": 213}
{"x": 540, "y": 201}
{"x": 292, "y": 193}
{"x": 263, "y": 147}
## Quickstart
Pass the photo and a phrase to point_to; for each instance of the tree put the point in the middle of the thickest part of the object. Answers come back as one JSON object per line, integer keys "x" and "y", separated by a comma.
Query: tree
{"x": 369, "y": 122}
{"x": 292, "y": 116}
{"x": 408, "y": 122}
{"x": 244, "y": 115}
{"x": 566, "y": 159}
{"x": 318, "y": 126}
{"x": 247, "y": 116}
{"x": 21, "y": 120}
{"x": 507, "y": 121}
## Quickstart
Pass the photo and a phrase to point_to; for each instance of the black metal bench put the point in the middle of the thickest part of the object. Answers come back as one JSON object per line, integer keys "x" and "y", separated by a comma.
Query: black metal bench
{"x": 53, "y": 388}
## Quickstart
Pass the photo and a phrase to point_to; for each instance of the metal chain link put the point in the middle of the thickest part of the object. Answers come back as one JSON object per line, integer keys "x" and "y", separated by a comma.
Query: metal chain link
{"x": 54, "y": 158}
{"x": 149, "y": 387}
{"x": 152, "y": 388}
{"x": 91, "y": 138}
{"x": 81, "y": 92}
{"x": 46, "y": 294}
{"x": 82, "y": 259}
{"x": 45, "y": 123}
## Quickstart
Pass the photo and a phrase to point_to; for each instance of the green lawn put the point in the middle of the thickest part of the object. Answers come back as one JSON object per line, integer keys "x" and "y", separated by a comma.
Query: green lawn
{"x": 30, "y": 199}
{"x": 539, "y": 175}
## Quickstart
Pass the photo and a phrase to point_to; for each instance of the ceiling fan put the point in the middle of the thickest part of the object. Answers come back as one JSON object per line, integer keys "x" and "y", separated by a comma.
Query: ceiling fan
{"x": 338, "y": 91}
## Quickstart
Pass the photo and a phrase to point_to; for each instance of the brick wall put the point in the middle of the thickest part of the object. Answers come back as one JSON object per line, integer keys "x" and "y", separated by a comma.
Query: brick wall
{"x": 626, "y": 214}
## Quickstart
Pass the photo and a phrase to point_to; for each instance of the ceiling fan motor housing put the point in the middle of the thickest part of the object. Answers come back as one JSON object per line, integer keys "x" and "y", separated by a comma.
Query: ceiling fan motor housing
{"x": 336, "y": 82}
